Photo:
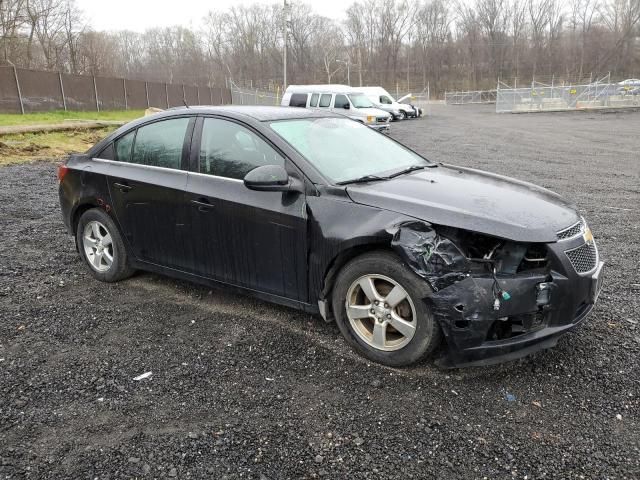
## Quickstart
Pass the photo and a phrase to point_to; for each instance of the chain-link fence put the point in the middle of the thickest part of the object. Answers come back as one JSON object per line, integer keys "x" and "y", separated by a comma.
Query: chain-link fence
{"x": 470, "y": 97}
{"x": 254, "y": 96}
{"x": 540, "y": 97}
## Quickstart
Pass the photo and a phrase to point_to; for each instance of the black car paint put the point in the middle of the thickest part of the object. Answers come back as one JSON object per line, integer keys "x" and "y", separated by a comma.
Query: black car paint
{"x": 473, "y": 200}
{"x": 287, "y": 247}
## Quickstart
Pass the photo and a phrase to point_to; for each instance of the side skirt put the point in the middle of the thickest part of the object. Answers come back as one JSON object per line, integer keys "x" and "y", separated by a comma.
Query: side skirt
{"x": 190, "y": 277}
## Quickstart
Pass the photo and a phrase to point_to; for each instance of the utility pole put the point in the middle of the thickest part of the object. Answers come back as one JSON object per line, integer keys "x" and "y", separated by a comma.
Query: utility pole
{"x": 285, "y": 35}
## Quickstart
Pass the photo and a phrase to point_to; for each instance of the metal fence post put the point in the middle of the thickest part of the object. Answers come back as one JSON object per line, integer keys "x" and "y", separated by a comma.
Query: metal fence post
{"x": 15, "y": 75}
{"x": 124, "y": 87}
{"x": 184, "y": 95}
{"x": 64, "y": 99}
{"x": 166, "y": 92}
{"x": 95, "y": 90}
{"x": 146, "y": 92}
{"x": 210, "y": 96}
{"x": 222, "y": 95}
{"x": 198, "y": 94}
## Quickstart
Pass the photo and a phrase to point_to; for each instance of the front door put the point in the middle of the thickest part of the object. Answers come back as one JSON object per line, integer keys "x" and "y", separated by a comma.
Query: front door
{"x": 147, "y": 186}
{"x": 251, "y": 239}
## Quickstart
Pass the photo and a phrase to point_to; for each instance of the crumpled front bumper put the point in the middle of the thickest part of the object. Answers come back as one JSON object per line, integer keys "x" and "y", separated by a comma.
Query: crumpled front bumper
{"x": 469, "y": 321}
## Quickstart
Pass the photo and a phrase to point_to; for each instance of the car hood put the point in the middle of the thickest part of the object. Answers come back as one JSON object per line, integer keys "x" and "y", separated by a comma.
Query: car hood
{"x": 403, "y": 106}
{"x": 372, "y": 111}
{"x": 472, "y": 200}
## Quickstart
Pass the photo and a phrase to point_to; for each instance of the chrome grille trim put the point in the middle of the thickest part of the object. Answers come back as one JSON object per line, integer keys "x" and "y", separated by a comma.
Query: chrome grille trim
{"x": 584, "y": 258}
{"x": 572, "y": 231}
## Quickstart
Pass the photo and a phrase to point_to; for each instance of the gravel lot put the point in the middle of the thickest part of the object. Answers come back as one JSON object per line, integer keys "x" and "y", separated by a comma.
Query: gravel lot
{"x": 244, "y": 389}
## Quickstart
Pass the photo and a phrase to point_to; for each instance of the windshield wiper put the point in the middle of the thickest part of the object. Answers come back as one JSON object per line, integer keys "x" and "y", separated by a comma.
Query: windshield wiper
{"x": 364, "y": 179}
{"x": 412, "y": 168}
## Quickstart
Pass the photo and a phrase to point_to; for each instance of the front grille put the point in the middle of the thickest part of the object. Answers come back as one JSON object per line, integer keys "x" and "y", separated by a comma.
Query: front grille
{"x": 381, "y": 119}
{"x": 571, "y": 231}
{"x": 583, "y": 258}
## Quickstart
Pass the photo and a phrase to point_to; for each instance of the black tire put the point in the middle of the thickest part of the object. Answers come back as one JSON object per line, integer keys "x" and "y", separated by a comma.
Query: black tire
{"x": 427, "y": 336}
{"x": 119, "y": 268}
{"x": 402, "y": 115}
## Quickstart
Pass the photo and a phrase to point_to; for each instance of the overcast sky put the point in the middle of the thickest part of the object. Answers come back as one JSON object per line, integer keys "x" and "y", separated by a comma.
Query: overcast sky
{"x": 138, "y": 15}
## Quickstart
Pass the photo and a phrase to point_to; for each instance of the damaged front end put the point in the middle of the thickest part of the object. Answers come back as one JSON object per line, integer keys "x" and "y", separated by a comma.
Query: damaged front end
{"x": 495, "y": 299}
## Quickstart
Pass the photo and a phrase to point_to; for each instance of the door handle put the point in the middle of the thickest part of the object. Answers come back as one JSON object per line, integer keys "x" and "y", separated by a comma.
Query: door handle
{"x": 202, "y": 204}
{"x": 124, "y": 188}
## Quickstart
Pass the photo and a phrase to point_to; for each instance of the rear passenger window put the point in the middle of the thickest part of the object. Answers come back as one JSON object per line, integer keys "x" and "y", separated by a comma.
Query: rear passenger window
{"x": 314, "y": 100}
{"x": 325, "y": 100}
{"x": 340, "y": 101}
{"x": 160, "y": 144}
{"x": 298, "y": 100}
{"x": 123, "y": 147}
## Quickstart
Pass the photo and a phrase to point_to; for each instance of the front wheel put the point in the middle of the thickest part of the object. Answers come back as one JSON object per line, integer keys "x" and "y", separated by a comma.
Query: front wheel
{"x": 401, "y": 115}
{"x": 377, "y": 302}
{"x": 101, "y": 247}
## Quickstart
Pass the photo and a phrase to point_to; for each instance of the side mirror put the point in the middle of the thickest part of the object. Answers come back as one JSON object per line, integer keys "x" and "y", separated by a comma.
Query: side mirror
{"x": 346, "y": 106}
{"x": 268, "y": 178}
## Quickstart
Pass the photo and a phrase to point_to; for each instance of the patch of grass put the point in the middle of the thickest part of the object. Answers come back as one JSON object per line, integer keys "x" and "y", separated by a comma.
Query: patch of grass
{"x": 60, "y": 116}
{"x": 25, "y": 147}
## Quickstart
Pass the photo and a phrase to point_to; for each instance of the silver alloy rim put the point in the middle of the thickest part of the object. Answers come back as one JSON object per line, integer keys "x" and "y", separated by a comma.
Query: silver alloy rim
{"x": 98, "y": 246}
{"x": 381, "y": 312}
{"x": 401, "y": 116}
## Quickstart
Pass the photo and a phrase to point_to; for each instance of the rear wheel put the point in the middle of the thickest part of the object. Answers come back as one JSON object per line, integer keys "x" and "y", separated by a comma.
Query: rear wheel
{"x": 101, "y": 246}
{"x": 377, "y": 302}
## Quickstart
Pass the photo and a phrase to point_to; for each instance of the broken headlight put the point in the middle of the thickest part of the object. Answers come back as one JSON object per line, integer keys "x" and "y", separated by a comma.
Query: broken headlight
{"x": 445, "y": 255}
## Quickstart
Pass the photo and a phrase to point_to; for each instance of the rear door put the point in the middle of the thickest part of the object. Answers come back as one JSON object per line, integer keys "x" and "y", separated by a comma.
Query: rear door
{"x": 147, "y": 185}
{"x": 251, "y": 239}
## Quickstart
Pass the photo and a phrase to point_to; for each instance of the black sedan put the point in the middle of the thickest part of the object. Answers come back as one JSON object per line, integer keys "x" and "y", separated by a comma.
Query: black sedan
{"x": 318, "y": 212}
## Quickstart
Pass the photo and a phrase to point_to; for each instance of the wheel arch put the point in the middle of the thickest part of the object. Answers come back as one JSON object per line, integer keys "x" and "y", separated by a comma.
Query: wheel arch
{"x": 88, "y": 204}
{"x": 336, "y": 264}
{"x": 79, "y": 210}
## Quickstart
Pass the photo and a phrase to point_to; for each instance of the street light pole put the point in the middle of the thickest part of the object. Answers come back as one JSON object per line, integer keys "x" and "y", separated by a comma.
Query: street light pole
{"x": 285, "y": 35}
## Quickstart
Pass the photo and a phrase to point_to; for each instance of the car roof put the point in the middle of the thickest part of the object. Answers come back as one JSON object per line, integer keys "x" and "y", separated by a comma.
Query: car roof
{"x": 238, "y": 112}
{"x": 327, "y": 88}
{"x": 260, "y": 113}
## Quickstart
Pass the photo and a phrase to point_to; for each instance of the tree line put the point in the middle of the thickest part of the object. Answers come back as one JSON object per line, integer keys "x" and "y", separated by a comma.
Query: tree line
{"x": 410, "y": 43}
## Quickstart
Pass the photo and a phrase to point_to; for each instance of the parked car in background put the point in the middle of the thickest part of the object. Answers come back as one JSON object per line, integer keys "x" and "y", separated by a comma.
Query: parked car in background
{"x": 340, "y": 99}
{"x": 312, "y": 210}
{"x": 383, "y": 100}
{"x": 631, "y": 86}
{"x": 630, "y": 82}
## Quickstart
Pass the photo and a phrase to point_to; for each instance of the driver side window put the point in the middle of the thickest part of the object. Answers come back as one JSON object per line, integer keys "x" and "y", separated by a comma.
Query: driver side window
{"x": 230, "y": 150}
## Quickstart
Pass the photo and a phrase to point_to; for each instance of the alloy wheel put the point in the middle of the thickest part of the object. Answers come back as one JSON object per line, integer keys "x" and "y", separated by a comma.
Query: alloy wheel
{"x": 98, "y": 246}
{"x": 381, "y": 312}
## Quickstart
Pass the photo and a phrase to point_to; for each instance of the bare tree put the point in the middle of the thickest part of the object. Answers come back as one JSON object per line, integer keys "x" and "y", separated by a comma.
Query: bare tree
{"x": 468, "y": 44}
{"x": 11, "y": 19}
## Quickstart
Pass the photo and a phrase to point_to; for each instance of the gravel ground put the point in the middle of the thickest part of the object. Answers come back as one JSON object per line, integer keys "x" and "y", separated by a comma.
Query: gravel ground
{"x": 244, "y": 389}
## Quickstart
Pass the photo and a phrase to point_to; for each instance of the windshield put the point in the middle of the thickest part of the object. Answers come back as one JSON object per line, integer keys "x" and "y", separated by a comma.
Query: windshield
{"x": 345, "y": 150}
{"x": 359, "y": 100}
